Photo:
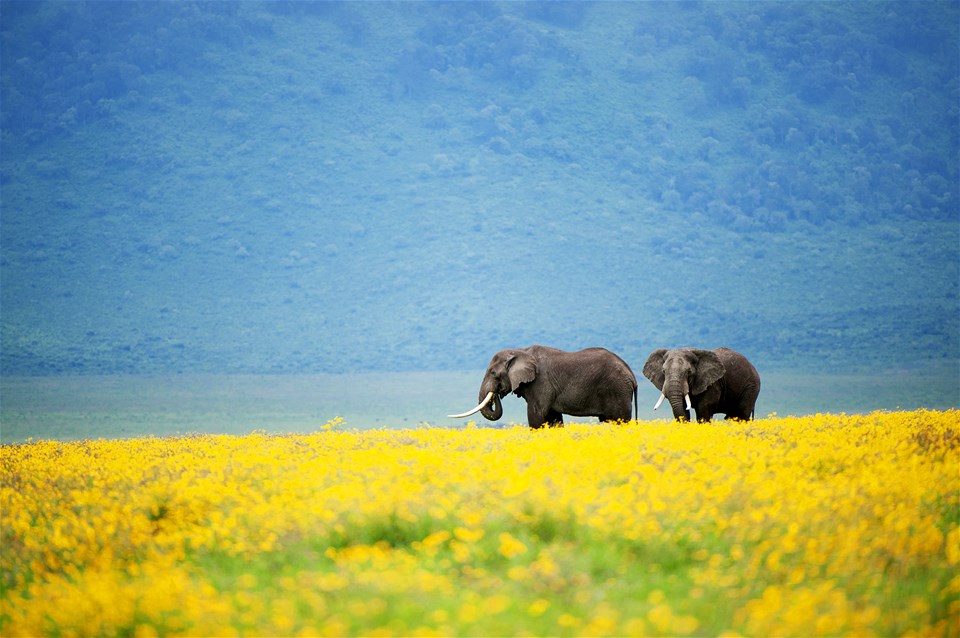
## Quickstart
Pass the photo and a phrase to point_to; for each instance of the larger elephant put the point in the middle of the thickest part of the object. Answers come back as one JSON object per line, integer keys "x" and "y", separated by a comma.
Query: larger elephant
{"x": 591, "y": 382}
{"x": 719, "y": 381}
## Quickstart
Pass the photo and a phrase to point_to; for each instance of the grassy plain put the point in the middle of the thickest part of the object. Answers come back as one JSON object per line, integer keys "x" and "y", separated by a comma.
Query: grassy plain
{"x": 820, "y": 525}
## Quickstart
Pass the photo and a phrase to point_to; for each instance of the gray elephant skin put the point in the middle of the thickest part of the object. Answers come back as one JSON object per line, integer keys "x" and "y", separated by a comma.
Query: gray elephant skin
{"x": 590, "y": 382}
{"x": 719, "y": 381}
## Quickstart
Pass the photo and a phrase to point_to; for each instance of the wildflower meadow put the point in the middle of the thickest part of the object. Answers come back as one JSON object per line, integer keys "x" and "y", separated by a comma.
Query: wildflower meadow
{"x": 823, "y": 525}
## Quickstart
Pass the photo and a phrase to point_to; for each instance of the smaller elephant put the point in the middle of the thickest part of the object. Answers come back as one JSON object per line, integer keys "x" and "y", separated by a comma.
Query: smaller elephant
{"x": 591, "y": 382}
{"x": 719, "y": 381}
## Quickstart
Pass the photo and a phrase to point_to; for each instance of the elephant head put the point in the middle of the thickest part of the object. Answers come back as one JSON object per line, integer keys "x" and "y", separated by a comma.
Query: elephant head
{"x": 507, "y": 371}
{"x": 680, "y": 373}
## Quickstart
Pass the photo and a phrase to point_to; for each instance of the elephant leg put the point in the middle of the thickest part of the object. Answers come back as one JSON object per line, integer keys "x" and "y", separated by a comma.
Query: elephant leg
{"x": 534, "y": 419}
{"x": 703, "y": 409}
{"x": 620, "y": 413}
{"x": 537, "y": 418}
{"x": 554, "y": 419}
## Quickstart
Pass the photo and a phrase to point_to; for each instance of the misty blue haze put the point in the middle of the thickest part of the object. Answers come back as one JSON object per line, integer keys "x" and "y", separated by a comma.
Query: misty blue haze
{"x": 346, "y": 187}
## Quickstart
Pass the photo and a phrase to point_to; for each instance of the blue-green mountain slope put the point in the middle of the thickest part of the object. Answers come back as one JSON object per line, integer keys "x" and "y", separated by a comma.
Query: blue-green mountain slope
{"x": 303, "y": 187}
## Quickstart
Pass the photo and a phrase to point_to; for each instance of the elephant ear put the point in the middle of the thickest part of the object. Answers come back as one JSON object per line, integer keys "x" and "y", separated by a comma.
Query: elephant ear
{"x": 653, "y": 368}
{"x": 521, "y": 369}
{"x": 709, "y": 370}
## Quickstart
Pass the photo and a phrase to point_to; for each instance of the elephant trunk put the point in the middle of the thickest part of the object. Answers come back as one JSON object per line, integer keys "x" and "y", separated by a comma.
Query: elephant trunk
{"x": 494, "y": 409}
{"x": 679, "y": 407}
{"x": 489, "y": 402}
{"x": 678, "y": 394}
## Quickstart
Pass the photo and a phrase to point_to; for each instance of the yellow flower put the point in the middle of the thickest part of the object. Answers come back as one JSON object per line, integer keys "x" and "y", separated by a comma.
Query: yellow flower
{"x": 468, "y": 535}
{"x": 510, "y": 547}
{"x": 436, "y": 539}
{"x": 780, "y": 526}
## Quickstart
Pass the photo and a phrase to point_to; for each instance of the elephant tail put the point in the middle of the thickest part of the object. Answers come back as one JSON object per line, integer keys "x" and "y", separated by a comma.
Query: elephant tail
{"x": 636, "y": 406}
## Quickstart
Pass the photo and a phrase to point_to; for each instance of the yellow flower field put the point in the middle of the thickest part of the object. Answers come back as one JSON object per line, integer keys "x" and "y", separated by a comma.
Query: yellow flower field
{"x": 821, "y": 525}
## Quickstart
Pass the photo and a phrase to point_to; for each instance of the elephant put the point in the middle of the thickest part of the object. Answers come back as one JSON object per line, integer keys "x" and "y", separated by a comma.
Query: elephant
{"x": 708, "y": 381}
{"x": 590, "y": 382}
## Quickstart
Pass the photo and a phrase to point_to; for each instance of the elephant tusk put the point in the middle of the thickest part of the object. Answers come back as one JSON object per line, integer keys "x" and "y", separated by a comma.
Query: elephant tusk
{"x": 687, "y": 397}
{"x": 659, "y": 401}
{"x": 482, "y": 405}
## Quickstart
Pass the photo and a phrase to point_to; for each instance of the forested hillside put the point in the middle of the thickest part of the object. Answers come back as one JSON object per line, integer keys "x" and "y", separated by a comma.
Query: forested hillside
{"x": 305, "y": 186}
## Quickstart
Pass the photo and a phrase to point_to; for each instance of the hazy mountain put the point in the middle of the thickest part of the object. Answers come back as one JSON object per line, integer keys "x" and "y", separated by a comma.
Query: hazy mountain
{"x": 292, "y": 187}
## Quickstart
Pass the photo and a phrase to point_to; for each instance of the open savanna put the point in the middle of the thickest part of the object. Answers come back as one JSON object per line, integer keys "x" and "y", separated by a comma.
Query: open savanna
{"x": 819, "y": 525}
